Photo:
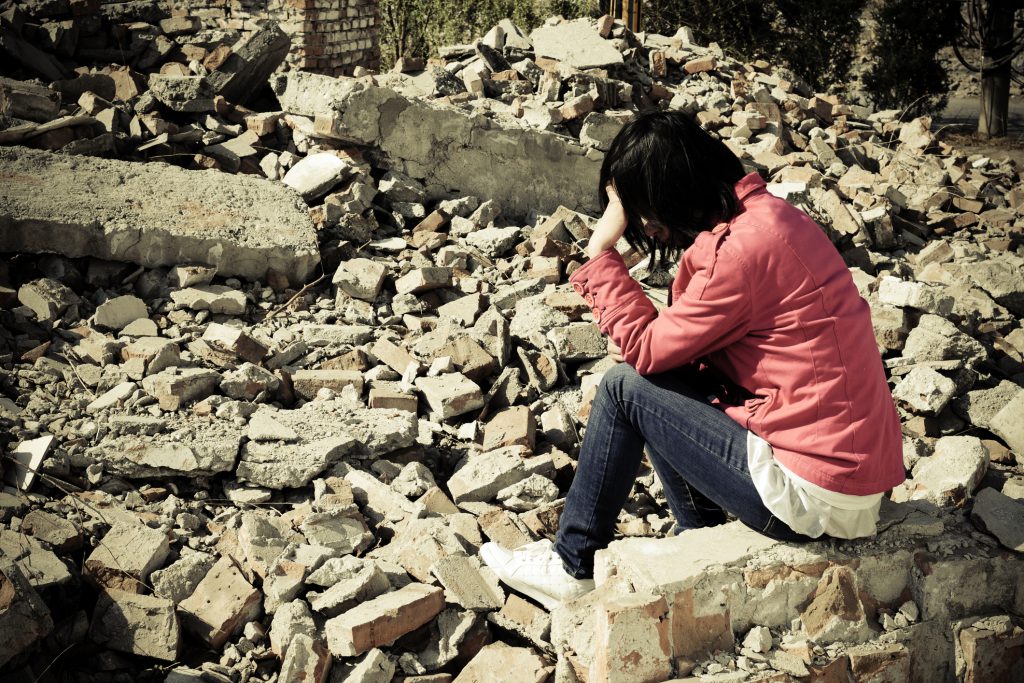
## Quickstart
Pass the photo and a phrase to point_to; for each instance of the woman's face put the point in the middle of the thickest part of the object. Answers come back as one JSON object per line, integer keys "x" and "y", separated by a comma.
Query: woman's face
{"x": 655, "y": 230}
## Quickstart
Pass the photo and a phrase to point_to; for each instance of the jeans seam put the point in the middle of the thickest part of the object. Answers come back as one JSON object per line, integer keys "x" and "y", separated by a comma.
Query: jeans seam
{"x": 687, "y": 436}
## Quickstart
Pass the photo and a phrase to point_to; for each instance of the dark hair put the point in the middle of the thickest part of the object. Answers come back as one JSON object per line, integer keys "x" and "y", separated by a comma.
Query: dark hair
{"x": 668, "y": 169}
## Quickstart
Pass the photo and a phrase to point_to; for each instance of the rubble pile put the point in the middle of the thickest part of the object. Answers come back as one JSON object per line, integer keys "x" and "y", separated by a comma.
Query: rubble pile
{"x": 221, "y": 474}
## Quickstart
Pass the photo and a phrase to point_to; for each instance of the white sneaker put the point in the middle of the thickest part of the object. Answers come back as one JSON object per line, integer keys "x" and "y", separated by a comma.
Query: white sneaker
{"x": 535, "y": 570}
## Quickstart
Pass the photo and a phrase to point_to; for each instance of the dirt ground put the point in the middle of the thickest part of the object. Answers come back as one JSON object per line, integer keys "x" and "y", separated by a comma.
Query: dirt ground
{"x": 964, "y": 139}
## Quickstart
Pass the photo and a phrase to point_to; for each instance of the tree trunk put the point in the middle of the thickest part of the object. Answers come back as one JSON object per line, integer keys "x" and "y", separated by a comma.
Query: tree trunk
{"x": 995, "y": 77}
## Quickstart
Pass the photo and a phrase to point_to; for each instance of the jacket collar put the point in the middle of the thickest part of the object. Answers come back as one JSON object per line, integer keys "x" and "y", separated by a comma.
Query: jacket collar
{"x": 745, "y": 187}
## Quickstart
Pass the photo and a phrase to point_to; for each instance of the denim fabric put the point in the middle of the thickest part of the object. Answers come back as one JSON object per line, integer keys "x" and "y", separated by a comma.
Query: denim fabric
{"x": 699, "y": 453}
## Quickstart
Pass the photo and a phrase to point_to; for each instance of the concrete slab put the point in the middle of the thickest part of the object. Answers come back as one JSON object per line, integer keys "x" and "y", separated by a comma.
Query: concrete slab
{"x": 152, "y": 214}
{"x": 520, "y": 169}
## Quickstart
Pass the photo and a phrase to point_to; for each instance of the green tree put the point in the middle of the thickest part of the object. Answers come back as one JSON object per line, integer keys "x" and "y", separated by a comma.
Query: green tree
{"x": 905, "y": 72}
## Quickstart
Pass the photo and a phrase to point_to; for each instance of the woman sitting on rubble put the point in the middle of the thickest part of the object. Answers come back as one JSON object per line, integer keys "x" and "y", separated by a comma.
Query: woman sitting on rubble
{"x": 758, "y": 392}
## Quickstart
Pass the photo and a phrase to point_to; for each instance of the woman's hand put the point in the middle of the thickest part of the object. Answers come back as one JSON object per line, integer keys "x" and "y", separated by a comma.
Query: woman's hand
{"x": 610, "y": 227}
{"x": 614, "y": 352}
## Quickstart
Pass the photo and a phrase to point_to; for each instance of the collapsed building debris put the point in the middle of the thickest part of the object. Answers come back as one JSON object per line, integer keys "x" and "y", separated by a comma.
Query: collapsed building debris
{"x": 291, "y": 477}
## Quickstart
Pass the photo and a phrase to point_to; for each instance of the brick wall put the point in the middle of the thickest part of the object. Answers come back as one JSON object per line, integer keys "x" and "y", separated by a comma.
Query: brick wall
{"x": 328, "y": 36}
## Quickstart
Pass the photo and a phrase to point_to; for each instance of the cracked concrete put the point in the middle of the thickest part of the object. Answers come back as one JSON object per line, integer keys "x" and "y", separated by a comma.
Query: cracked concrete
{"x": 453, "y": 152}
{"x": 153, "y": 215}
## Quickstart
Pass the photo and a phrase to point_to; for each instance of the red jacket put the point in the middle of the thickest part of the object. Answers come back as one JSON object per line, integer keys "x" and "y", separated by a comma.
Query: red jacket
{"x": 767, "y": 301}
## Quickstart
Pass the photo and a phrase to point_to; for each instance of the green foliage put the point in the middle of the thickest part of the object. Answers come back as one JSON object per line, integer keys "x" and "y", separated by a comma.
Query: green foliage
{"x": 906, "y": 73}
{"x": 815, "y": 39}
{"x": 416, "y": 28}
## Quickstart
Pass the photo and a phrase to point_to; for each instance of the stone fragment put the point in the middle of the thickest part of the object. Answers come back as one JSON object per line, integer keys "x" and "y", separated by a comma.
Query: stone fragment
{"x": 578, "y": 342}
{"x": 952, "y": 473}
{"x": 250, "y": 62}
{"x": 306, "y": 383}
{"x": 366, "y": 584}
{"x": 248, "y": 381}
{"x": 263, "y": 427}
{"x": 221, "y": 605}
{"x": 212, "y": 298}
{"x": 981, "y": 405}
{"x": 43, "y": 569}
{"x": 316, "y": 174}
{"x": 278, "y": 466}
{"x": 383, "y": 620}
{"x": 175, "y": 387}
{"x": 575, "y": 43}
{"x": 529, "y": 494}
{"x": 1001, "y": 516}
{"x": 924, "y": 297}
{"x": 1008, "y": 425}
{"x": 290, "y": 619}
{"x": 248, "y": 224}
{"x": 501, "y": 663}
{"x": 181, "y": 93}
{"x": 700, "y": 65}
{"x": 935, "y": 338}
{"x": 138, "y": 624}
{"x": 989, "y": 649}
{"x": 48, "y": 299}
{"x": 177, "y": 581}
{"x": 26, "y": 461}
{"x": 337, "y": 335}
{"x": 125, "y": 557}
{"x": 925, "y": 391}
{"x": 465, "y": 584}
{"x": 514, "y": 426}
{"x": 307, "y": 661}
{"x": 392, "y": 399}
{"x": 374, "y": 667}
{"x": 421, "y": 280}
{"x": 836, "y": 613}
{"x": 879, "y": 662}
{"x": 360, "y": 278}
{"x": 758, "y": 639}
{"x": 24, "y": 617}
{"x": 340, "y": 530}
{"x": 60, "y": 533}
{"x": 494, "y": 242}
{"x": 450, "y": 395}
{"x": 234, "y": 340}
{"x": 484, "y": 474}
{"x": 116, "y": 313}
{"x": 632, "y": 640}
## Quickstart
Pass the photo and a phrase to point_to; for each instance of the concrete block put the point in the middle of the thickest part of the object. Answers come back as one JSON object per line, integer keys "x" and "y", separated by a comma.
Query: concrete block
{"x": 918, "y": 295}
{"x": 505, "y": 529}
{"x": 392, "y": 399}
{"x": 47, "y": 298}
{"x": 138, "y": 624}
{"x": 1001, "y": 516}
{"x": 221, "y": 605}
{"x": 116, "y": 313}
{"x": 466, "y": 584}
{"x": 306, "y": 383}
{"x": 836, "y": 613}
{"x": 175, "y": 387}
{"x": 316, "y": 174}
{"x": 248, "y": 225}
{"x": 291, "y": 619}
{"x": 952, "y": 473}
{"x": 24, "y": 617}
{"x": 576, "y": 43}
{"x": 360, "y": 278}
{"x": 450, "y": 395}
{"x": 27, "y": 461}
{"x": 367, "y": 584}
{"x": 500, "y": 663}
{"x": 307, "y": 661}
{"x": 578, "y": 342}
{"x": 213, "y": 298}
{"x": 383, "y": 620}
{"x": 234, "y": 340}
{"x": 1008, "y": 425}
{"x": 880, "y": 663}
{"x": 484, "y": 474}
{"x": 989, "y": 649}
{"x": 514, "y": 426}
{"x": 924, "y": 390}
{"x": 632, "y": 640}
{"x": 278, "y": 466}
{"x": 125, "y": 557}
{"x": 394, "y": 356}
{"x": 421, "y": 280}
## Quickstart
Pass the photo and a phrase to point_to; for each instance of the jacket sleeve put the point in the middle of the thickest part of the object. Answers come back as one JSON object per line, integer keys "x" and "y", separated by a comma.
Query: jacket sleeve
{"x": 713, "y": 311}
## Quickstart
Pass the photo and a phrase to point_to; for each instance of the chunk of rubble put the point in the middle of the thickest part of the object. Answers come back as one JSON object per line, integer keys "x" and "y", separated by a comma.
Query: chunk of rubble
{"x": 221, "y": 605}
{"x": 278, "y": 466}
{"x": 126, "y": 556}
{"x": 950, "y": 475}
{"x": 1000, "y": 515}
{"x": 383, "y": 620}
{"x": 24, "y": 617}
{"x": 138, "y": 624}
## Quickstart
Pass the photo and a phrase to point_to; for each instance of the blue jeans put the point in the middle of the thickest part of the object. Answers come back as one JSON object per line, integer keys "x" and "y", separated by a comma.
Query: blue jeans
{"x": 698, "y": 452}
